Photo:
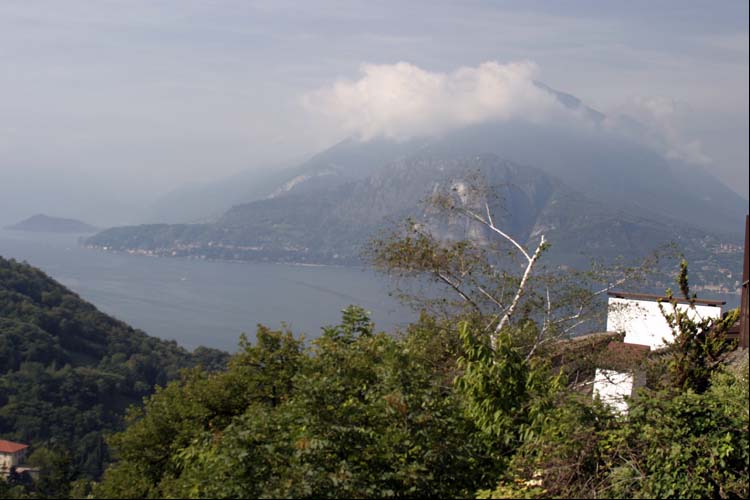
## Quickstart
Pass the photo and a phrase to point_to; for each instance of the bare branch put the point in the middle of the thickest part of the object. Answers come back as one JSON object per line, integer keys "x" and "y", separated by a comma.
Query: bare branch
{"x": 568, "y": 318}
{"x": 494, "y": 228}
{"x": 543, "y": 330}
{"x": 489, "y": 215}
{"x": 521, "y": 288}
{"x": 489, "y": 296}
{"x": 492, "y": 320}
{"x": 610, "y": 286}
{"x": 574, "y": 325}
{"x": 547, "y": 313}
{"x": 458, "y": 290}
{"x": 537, "y": 343}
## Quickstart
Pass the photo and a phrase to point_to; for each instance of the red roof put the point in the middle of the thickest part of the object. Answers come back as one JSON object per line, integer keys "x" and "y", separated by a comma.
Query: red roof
{"x": 11, "y": 447}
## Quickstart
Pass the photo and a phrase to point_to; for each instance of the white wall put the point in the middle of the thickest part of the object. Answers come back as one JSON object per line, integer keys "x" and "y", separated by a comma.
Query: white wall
{"x": 643, "y": 323}
{"x": 8, "y": 460}
{"x": 612, "y": 386}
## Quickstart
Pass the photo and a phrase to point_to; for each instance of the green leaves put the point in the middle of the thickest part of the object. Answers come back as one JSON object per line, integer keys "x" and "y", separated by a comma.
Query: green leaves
{"x": 357, "y": 414}
{"x": 700, "y": 342}
{"x": 500, "y": 384}
{"x": 432, "y": 411}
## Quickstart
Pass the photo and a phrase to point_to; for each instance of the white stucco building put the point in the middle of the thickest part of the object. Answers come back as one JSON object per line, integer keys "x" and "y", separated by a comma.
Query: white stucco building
{"x": 614, "y": 387}
{"x": 646, "y": 329}
{"x": 11, "y": 455}
{"x": 638, "y": 315}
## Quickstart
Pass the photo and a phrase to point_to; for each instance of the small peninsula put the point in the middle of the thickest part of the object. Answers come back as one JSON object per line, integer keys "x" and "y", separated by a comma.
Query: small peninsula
{"x": 46, "y": 224}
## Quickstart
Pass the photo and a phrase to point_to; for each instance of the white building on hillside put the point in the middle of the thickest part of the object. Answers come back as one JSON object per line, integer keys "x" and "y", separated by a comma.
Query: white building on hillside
{"x": 11, "y": 455}
{"x": 646, "y": 329}
{"x": 639, "y": 316}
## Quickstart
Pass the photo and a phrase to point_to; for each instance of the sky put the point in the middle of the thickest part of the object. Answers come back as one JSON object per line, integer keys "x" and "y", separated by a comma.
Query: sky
{"x": 139, "y": 97}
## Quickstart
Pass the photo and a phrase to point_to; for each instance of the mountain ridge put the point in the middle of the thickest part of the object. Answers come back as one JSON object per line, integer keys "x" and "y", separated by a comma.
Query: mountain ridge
{"x": 46, "y": 223}
{"x": 68, "y": 372}
{"x": 592, "y": 153}
{"x": 331, "y": 225}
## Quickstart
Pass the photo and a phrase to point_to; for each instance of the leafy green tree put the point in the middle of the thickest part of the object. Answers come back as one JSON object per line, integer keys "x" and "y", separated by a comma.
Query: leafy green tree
{"x": 201, "y": 403}
{"x": 68, "y": 372}
{"x": 685, "y": 436}
{"x": 505, "y": 392}
{"x": 688, "y": 445}
{"x": 55, "y": 472}
{"x": 494, "y": 278}
{"x": 700, "y": 343}
{"x": 358, "y": 414}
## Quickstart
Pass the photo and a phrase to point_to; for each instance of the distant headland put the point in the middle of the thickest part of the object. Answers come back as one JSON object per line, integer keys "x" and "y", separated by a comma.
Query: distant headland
{"x": 46, "y": 224}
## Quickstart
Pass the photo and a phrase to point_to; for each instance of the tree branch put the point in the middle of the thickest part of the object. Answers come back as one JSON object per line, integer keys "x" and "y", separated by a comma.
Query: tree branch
{"x": 543, "y": 330}
{"x": 489, "y": 296}
{"x": 489, "y": 215}
{"x": 494, "y": 228}
{"x": 458, "y": 290}
{"x": 521, "y": 288}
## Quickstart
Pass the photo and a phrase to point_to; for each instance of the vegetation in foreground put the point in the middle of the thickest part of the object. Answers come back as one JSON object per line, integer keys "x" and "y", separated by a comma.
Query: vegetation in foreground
{"x": 470, "y": 402}
{"x": 68, "y": 373}
{"x": 432, "y": 412}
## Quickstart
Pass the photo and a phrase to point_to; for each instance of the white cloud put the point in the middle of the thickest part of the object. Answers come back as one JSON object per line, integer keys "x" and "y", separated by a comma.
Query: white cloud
{"x": 660, "y": 120}
{"x": 401, "y": 101}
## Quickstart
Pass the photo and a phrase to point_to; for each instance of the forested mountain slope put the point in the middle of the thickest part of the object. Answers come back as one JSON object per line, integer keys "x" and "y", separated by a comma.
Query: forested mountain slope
{"x": 68, "y": 371}
{"x": 609, "y": 158}
{"x": 333, "y": 224}
{"x": 47, "y": 224}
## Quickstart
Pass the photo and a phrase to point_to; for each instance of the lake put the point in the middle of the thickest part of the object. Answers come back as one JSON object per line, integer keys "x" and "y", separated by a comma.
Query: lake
{"x": 197, "y": 302}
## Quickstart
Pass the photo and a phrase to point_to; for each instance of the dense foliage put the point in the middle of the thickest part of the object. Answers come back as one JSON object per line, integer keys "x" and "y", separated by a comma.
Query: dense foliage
{"x": 434, "y": 411}
{"x": 68, "y": 372}
{"x": 428, "y": 413}
{"x": 685, "y": 434}
{"x": 358, "y": 414}
{"x": 674, "y": 444}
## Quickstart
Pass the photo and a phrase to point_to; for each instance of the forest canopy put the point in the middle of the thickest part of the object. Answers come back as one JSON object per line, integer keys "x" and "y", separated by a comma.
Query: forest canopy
{"x": 68, "y": 372}
{"x": 444, "y": 408}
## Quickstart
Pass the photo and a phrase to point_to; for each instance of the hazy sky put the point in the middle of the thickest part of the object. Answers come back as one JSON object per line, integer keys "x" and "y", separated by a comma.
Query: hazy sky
{"x": 150, "y": 94}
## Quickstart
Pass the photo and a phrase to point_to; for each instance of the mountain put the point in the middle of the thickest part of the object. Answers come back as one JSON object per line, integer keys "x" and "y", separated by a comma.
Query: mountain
{"x": 332, "y": 224}
{"x": 350, "y": 159}
{"x": 68, "y": 372}
{"x": 591, "y": 189}
{"x": 594, "y": 154}
{"x": 47, "y": 224}
{"x": 608, "y": 168}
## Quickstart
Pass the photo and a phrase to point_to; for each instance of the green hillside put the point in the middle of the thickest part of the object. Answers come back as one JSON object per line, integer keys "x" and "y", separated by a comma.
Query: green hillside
{"x": 68, "y": 371}
{"x": 331, "y": 225}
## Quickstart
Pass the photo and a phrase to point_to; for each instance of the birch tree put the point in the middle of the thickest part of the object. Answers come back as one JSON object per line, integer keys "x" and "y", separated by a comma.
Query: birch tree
{"x": 494, "y": 277}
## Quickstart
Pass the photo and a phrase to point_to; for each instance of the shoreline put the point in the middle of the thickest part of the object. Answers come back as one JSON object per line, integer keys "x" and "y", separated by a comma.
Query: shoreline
{"x": 203, "y": 258}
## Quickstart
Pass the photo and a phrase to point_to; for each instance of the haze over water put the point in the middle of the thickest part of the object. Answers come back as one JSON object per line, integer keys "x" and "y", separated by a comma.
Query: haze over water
{"x": 206, "y": 303}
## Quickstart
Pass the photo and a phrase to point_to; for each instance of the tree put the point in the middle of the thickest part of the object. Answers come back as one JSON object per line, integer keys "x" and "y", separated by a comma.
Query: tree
{"x": 496, "y": 279}
{"x": 358, "y": 414}
{"x": 685, "y": 436}
{"x": 700, "y": 343}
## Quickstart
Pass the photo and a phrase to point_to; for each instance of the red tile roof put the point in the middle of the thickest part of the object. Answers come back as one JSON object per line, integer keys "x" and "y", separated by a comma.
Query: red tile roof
{"x": 623, "y": 356}
{"x": 11, "y": 447}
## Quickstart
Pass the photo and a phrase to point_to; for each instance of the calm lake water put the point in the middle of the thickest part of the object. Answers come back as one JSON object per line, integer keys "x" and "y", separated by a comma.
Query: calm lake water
{"x": 206, "y": 303}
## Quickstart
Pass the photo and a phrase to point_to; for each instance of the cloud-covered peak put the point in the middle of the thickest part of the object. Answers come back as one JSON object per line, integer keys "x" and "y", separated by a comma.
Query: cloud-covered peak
{"x": 402, "y": 101}
{"x": 657, "y": 121}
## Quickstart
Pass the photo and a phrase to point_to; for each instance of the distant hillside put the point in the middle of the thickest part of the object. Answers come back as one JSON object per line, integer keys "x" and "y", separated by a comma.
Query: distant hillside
{"x": 597, "y": 155}
{"x": 346, "y": 161}
{"x": 331, "y": 225}
{"x": 46, "y": 224}
{"x": 596, "y": 192}
{"x": 68, "y": 372}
